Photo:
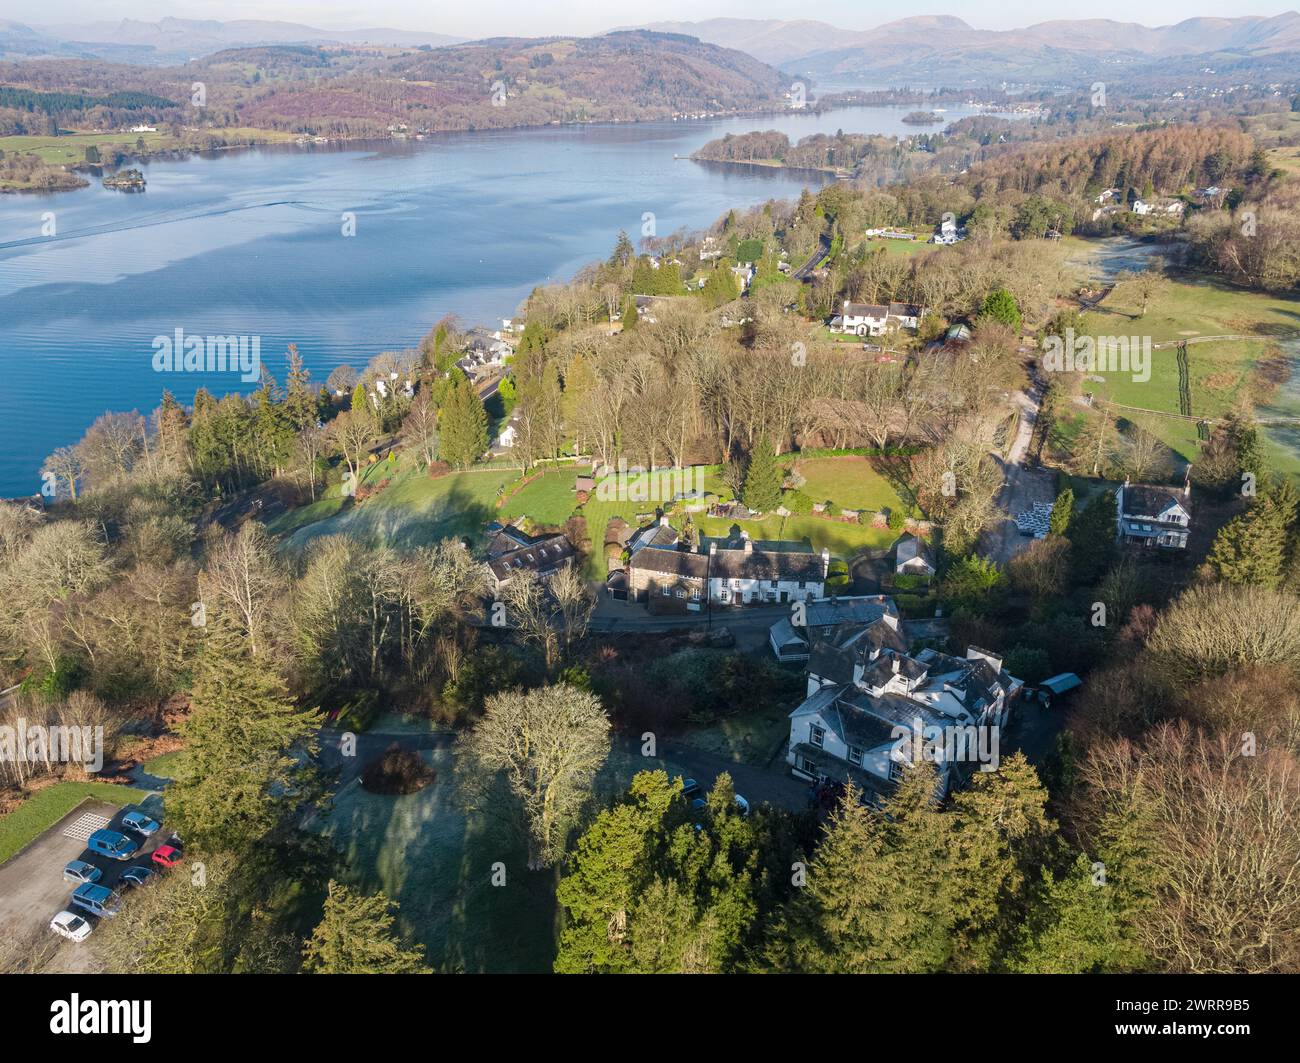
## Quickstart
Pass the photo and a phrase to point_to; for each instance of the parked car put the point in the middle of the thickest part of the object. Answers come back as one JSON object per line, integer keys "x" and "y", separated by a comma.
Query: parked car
{"x": 71, "y": 926}
{"x": 139, "y": 823}
{"x": 98, "y": 900}
{"x": 742, "y": 804}
{"x": 167, "y": 855}
{"x": 690, "y": 788}
{"x": 79, "y": 871}
{"x": 138, "y": 875}
{"x": 113, "y": 844}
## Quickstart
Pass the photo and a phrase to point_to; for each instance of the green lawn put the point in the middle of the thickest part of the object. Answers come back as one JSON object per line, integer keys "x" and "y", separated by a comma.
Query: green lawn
{"x": 427, "y": 854}
{"x": 549, "y": 499}
{"x": 71, "y": 147}
{"x": 46, "y": 807}
{"x": 751, "y": 738}
{"x": 414, "y": 510}
{"x": 1217, "y": 371}
{"x": 850, "y": 482}
{"x": 436, "y": 861}
{"x": 165, "y": 765}
{"x": 842, "y": 540}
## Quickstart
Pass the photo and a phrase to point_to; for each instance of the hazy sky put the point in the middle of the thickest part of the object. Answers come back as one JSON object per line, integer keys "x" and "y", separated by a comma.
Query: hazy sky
{"x": 537, "y": 17}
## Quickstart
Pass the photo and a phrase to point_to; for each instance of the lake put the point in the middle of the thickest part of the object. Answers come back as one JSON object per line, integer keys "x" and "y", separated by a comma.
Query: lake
{"x": 250, "y": 243}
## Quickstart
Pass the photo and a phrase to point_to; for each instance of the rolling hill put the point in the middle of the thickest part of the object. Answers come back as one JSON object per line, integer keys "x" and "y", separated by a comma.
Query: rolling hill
{"x": 938, "y": 49}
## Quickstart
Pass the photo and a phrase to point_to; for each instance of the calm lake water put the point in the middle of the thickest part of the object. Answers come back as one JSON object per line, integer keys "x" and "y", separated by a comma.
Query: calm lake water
{"x": 249, "y": 243}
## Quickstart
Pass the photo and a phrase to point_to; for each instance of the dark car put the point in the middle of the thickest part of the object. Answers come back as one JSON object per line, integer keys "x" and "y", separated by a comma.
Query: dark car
{"x": 138, "y": 875}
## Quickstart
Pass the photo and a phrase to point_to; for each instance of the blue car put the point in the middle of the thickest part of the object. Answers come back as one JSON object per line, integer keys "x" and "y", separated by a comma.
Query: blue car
{"x": 138, "y": 875}
{"x": 112, "y": 844}
{"x": 98, "y": 900}
{"x": 139, "y": 823}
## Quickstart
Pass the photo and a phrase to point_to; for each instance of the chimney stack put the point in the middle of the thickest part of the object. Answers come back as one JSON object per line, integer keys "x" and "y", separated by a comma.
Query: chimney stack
{"x": 826, "y": 561}
{"x": 1187, "y": 484}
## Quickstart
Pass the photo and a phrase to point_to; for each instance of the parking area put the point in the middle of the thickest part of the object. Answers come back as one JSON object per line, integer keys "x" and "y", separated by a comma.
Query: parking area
{"x": 32, "y": 887}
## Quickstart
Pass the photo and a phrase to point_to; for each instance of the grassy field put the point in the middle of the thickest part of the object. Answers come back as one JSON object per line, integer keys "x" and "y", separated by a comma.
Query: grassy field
{"x": 414, "y": 510}
{"x": 549, "y": 499}
{"x": 436, "y": 861}
{"x": 1268, "y": 129}
{"x": 850, "y": 482}
{"x": 905, "y": 248}
{"x": 1218, "y": 372}
{"x": 71, "y": 147}
{"x": 425, "y": 853}
{"x": 748, "y": 739}
{"x": 46, "y": 807}
{"x": 164, "y": 765}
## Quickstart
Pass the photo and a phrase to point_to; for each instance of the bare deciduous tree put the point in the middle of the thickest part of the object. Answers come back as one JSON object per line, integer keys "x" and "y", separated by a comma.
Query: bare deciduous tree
{"x": 531, "y": 760}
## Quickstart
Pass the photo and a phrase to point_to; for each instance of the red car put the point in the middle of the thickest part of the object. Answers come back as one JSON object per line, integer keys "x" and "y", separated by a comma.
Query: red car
{"x": 167, "y": 855}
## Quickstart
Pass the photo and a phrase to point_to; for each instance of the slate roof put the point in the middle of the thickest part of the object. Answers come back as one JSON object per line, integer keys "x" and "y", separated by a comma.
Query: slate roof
{"x": 669, "y": 561}
{"x": 835, "y": 655}
{"x": 881, "y": 670}
{"x": 1143, "y": 501}
{"x": 909, "y": 548}
{"x": 865, "y": 310}
{"x": 545, "y": 555}
{"x": 729, "y": 564}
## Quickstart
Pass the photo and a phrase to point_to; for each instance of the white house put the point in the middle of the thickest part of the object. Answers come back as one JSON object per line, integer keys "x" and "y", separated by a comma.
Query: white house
{"x": 508, "y": 435}
{"x": 1142, "y": 206}
{"x": 735, "y": 573}
{"x": 875, "y": 319}
{"x": 1154, "y": 516}
{"x": 870, "y": 728}
{"x": 948, "y": 233}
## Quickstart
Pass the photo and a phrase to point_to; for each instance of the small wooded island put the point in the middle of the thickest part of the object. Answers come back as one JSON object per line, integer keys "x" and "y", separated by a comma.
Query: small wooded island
{"x": 126, "y": 181}
{"x": 922, "y": 118}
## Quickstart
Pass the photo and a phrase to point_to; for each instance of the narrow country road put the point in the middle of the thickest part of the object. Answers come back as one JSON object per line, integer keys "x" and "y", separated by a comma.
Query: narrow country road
{"x": 1021, "y": 486}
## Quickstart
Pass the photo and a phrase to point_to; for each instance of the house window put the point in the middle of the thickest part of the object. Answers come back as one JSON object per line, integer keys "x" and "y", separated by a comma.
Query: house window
{"x": 855, "y": 756}
{"x": 817, "y": 736}
{"x": 724, "y": 596}
{"x": 735, "y": 584}
{"x": 681, "y": 593}
{"x": 772, "y": 583}
{"x": 805, "y": 764}
{"x": 695, "y": 596}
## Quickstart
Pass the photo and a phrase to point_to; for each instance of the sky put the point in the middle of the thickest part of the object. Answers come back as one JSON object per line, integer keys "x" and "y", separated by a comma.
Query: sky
{"x": 528, "y": 18}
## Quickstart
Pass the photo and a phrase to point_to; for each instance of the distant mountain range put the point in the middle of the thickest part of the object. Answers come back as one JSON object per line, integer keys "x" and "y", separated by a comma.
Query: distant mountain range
{"x": 172, "y": 40}
{"x": 942, "y": 48}
{"x": 920, "y": 50}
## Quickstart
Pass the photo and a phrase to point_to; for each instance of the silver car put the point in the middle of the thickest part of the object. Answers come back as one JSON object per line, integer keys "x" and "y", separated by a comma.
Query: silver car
{"x": 81, "y": 872}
